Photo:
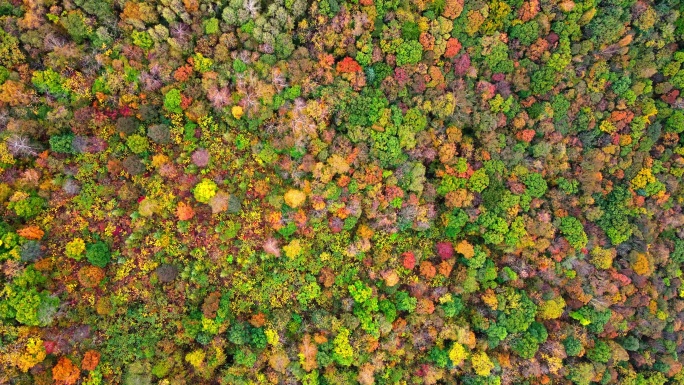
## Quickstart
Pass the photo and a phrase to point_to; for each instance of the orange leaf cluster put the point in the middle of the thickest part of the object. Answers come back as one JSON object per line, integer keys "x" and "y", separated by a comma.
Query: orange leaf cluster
{"x": 453, "y": 8}
{"x": 308, "y": 351}
{"x": 31, "y": 232}
{"x": 90, "y": 276}
{"x": 348, "y": 65}
{"x": 90, "y": 360}
{"x": 427, "y": 270}
{"x": 453, "y": 48}
{"x": 183, "y": 73}
{"x": 466, "y": 249}
{"x": 65, "y": 372}
{"x": 184, "y": 212}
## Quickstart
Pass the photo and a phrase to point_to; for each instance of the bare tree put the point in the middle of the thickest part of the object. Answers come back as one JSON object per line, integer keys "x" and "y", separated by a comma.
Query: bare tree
{"x": 20, "y": 145}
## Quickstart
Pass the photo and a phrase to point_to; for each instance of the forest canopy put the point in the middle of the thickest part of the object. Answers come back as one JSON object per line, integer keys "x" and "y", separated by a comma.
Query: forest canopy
{"x": 330, "y": 192}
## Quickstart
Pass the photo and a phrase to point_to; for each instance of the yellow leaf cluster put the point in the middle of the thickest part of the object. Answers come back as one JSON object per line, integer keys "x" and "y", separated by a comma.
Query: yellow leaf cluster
{"x": 293, "y": 249}
{"x": 34, "y": 354}
{"x": 457, "y": 354}
{"x": 643, "y": 178}
{"x": 482, "y": 364}
{"x": 294, "y": 198}
{"x": 602, "y": 258}
{"x": 640, "y": 264}
{"x": 237, "y": 112}
{"x": 195, "y": 358}
{"x": 466, "y": 249}
{"x": 552, "y": 309}
{"x": 489, "y": 298}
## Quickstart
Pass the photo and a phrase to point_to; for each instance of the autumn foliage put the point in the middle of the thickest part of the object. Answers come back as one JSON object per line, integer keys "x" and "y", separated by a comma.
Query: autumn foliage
{"x": 65, "y": 372}
{"x": 341, "y": 192}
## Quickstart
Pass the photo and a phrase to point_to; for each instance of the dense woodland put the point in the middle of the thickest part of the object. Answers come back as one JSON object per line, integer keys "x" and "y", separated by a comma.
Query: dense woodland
{"x": 329, "y": 192}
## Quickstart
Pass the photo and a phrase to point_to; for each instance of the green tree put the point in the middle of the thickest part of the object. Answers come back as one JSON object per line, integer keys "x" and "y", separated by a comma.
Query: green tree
{"x": 98, "y": 254}
{"x": 478, "y": 181}
{"x": 573, "y": 231}
{"x": 28, "y": 207}
{"x": 536, "y": 185}
{"x": 172, "y": 101}
{"x": 409, "y": 52}
{"x": 601, "y": 352}
{"x": 343, "y": 353}
{"x": 137, "y": 144}
{"x": 573, "y": 346}
{"x": 615, "y": 218}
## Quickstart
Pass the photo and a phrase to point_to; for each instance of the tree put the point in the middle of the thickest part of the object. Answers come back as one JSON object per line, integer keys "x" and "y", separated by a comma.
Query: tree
{"x": 525, "y": 346}
{"x": 65, "y": 372}
{"x": 172, "y": 101}
{"x": 409, "y": 52}
{"x": 33, "y": 354}
{"x": 31, "y": 232}
{"x": 294, "y": 198}
{"x": 615, "y": 217}
{"x": 601, "y": 352}
{"x": 457, "y": 354}
{"x": 307, "y": 353}
{"x": 98, "y": 254}
{"x": 343, "y": 353}
{"x": 536, "y": 185}
{"x": 478, "y": 181}
{"x": 90, "y": 360}
{"x": 62, "y": 143}
{"x": 184, "y": 212}
{"x": 348, "y": 65}
{"x": 594, "y": 320}
{"x": 205, "y": 190}
{"x": 159, "y": 133}
{"x": 573, "y": 231}
{"x": 582, "y": 374}
{"x": 482, "y": 365}
{"x": 28, "y": 207}
{"x": 137, "y": 144}
{"x": 10, "y": 54}
{"x": 552, "y": 309}
{"x": 573, "y": 346}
